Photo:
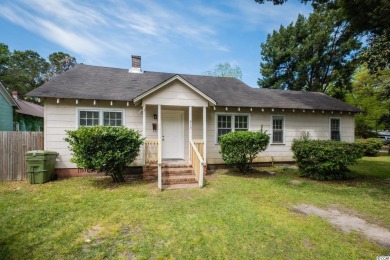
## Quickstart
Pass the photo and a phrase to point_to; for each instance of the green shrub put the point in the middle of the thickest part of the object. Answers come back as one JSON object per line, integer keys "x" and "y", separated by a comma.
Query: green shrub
{"x": 241, "y": 147}
{"x": 104, "y": 149}
{"x": 325, "y": 160}
{"x": 370, "y": 146}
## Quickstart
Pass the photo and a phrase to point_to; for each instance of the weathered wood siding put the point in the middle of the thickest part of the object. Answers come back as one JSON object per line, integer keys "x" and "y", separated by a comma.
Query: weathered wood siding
{"x": 13, "y": 149}
{"x": 6, "y": 115}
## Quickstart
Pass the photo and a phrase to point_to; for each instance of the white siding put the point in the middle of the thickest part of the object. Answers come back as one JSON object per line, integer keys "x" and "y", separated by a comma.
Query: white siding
{"x": 63, "y": 116}
{"x": 317, "y": 124}
{"x": 175, "y": 94}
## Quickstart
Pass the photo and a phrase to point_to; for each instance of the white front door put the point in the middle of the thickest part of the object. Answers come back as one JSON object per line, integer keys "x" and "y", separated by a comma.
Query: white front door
{"x": 172, "y": 134}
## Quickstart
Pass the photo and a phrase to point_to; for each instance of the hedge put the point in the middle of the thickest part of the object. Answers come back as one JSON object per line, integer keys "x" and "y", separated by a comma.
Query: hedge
{"x": 241, "y": 147}
{"x": 370, "y": 146}
{"x": 104, "y": 149}
{"x": 325, "y": 159}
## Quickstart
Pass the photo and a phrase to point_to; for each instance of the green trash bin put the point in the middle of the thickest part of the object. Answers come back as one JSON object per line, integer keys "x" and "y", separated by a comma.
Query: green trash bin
{"x": 40, "y": 165}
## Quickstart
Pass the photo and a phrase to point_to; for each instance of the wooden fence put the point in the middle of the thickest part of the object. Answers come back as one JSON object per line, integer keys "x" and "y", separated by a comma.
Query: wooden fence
{"x": 13, "y": 148}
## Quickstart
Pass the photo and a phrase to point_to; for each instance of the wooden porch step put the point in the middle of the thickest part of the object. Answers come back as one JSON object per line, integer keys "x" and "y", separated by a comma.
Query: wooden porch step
{"x": 172, "y": 171}
{"x": 178, "y": 179}
{"x": 177, "y": 171}
{"x": 170, "y": 165}
{"x": 180, "y": 186}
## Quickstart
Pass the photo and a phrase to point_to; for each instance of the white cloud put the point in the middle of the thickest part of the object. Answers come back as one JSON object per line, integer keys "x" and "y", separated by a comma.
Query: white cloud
{"x": 106, "y": 28}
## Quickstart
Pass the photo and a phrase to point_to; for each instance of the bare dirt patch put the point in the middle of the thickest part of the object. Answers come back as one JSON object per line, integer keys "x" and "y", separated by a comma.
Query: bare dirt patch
{"x": 348, "y": 222}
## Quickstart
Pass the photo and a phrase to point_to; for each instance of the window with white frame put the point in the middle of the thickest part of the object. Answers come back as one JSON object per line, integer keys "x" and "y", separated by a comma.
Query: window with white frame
{"x": 335, "y": 129}
{"x": 112, "y": 118}
{"x": 277, "y": 129}
{"x": 241, "y": 123}
{"x": 227, "y": 123}
{"x": 100, "y": 117}
{"x": 88, "y": 118}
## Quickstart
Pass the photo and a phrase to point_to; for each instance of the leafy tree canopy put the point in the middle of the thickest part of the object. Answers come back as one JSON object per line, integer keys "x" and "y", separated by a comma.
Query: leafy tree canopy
{"x": 370, "y": 93}
{"x": 24, "y": 71}
{"x": 313, "y": 54}
{"x": 60, "y": 62}
{"x": 365, "y": 17}
{"x": 225, "y": 70}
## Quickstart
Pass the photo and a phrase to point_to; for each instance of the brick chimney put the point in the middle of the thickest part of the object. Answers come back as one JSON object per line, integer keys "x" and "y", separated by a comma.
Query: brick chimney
{"x": 15, "y": 94}
{"x": 135, "y": 64}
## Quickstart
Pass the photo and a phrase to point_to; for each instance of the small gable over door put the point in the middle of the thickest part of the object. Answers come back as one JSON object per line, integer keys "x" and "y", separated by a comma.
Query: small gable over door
{"x": 175, "y": 92}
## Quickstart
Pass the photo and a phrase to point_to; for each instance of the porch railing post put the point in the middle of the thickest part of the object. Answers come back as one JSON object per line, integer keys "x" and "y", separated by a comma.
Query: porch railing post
{"x": 189, "y": 132}
{"x": 204, "y": 135}
{"x": 144, "y": 132}
{"x": 159, "y": 127}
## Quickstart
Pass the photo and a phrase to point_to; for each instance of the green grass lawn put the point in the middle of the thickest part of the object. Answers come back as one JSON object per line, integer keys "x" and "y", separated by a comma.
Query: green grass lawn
{"x": 233, "y": 216}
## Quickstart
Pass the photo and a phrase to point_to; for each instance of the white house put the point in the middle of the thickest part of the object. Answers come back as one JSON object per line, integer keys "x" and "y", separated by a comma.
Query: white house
{"x": 182, "y": 116}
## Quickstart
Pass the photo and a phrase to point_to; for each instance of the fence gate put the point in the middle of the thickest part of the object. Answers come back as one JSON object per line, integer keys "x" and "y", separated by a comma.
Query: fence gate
{"x": 13, "y": 148}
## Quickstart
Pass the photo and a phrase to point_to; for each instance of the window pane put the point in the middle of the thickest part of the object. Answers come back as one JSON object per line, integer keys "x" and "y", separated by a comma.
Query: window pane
{"x": 224, "y": 125}
{"x": 277, "y": 129}
{"x": 88, "y": 118}
{"x": 277, "y": 137}
{"x": 335, "y": 135}
{"x": 112, "y": 118}
{"x": 241, "y": 123}
{"x": 335, "y": 129}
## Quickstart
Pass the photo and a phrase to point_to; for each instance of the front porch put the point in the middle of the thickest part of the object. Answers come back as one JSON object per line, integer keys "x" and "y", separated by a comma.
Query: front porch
{"x": 173, "y": 117}
{"x": 174, "y": 158}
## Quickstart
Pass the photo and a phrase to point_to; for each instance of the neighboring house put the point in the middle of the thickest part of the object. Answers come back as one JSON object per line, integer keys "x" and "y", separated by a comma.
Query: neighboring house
{"x": 181, "y": 112}
{"x": 29, "y": 116}
{"x": 7, "y": 106}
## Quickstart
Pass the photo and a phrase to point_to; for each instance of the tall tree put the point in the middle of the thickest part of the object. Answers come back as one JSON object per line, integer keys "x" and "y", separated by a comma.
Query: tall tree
{"x": 60, "y": 62}
{"x": 371, "y": 93}
{"x": 5, "y": 55}
{"x": 312, "y": 54}
{"x": 225, "y": 70}
{"x": 367, "y": 17}
{"x": 25, "y": 71}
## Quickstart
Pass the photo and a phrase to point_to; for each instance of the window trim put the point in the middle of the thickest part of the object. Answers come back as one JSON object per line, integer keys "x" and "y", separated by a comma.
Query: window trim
{"x": 272, "y": 130}
{"x": 233, "y": 122}
{"x": 330, "y": 127}
{"x": 100, "y": 110}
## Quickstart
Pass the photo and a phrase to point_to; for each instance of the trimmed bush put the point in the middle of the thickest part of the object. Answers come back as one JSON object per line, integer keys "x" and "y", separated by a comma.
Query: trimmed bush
{"x": 104, "y": 149}
{"x": 370, "y": 146}
{"x": 325, "y": 160}
{"x": 241, "y": 147}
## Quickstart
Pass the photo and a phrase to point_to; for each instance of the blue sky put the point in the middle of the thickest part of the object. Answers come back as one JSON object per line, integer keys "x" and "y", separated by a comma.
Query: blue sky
{"x": 171, "y": 36}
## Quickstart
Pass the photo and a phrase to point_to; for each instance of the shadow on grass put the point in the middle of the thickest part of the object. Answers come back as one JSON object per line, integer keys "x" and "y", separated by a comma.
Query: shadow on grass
{"x": 106, "y": 182}
{"x": 5, "y": 252}
{"x": 254, "y": 173}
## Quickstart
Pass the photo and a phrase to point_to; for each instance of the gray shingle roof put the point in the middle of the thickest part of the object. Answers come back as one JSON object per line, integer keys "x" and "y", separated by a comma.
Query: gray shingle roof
{"x": 28, "y": 108}
{"x": 102, "y": 83}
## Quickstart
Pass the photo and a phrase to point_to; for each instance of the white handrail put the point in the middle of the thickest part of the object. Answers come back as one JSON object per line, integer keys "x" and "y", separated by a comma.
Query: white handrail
{"x": 199, "y": 162}
{"x": 159, "y": 173}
